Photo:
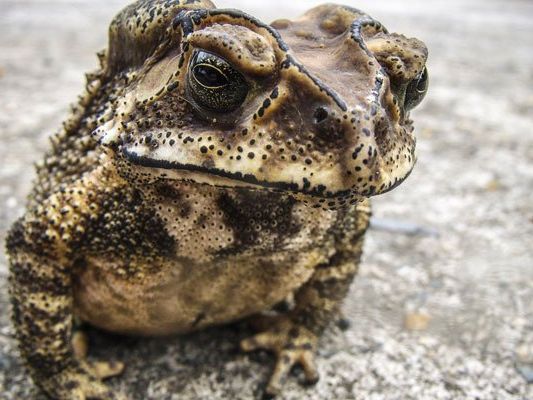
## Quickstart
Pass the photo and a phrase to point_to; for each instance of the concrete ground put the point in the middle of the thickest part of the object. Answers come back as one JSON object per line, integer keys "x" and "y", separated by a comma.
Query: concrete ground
{"x": 443, "y": 306}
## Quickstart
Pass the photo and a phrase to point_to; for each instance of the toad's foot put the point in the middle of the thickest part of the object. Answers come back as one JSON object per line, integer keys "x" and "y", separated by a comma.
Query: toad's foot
{"x": 78, "y": 383}
{"x": 99, "y": 369}
{"x": 293, "y": 344}
{"x": 82, "y": 380}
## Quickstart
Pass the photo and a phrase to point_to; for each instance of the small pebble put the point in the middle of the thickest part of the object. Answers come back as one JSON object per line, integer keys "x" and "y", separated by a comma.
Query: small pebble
{"x": 416, "y": 321}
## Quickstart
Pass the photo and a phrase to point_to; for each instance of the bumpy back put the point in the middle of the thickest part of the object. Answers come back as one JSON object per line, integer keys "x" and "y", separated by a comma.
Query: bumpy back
{"x": 138, "y": 29}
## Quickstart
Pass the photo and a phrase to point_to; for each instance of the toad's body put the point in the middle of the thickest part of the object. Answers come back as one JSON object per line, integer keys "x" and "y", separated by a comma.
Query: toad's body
{"x": 213, "y": 268}
{"x": 214, "y": 168}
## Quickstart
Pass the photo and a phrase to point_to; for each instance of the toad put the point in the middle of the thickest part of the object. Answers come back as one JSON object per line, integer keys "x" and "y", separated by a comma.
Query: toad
{"x": 214, "y": 168}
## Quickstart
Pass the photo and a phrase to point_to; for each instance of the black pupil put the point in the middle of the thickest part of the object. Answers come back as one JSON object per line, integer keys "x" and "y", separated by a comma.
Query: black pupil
{"x": 209, "y": 76}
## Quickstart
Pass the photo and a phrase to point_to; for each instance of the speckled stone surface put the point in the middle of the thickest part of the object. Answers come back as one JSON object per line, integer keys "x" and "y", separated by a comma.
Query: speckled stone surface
{"x": 468, "y": 290}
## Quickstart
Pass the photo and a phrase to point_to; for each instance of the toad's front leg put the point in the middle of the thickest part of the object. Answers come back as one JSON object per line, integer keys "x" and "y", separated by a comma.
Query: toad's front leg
{"x": 41, "y": 253}
{"x": 293, "y": 336}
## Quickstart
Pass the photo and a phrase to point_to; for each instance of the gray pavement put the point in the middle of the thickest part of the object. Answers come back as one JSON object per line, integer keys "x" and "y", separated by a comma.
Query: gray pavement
{"x": 443, "y": 306}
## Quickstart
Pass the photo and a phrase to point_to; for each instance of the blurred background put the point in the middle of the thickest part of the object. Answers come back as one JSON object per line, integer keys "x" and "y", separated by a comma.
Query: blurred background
{"x": 443, "y": 305}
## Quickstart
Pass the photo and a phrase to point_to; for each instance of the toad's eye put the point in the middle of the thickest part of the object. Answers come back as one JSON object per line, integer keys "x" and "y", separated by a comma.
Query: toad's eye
{"x": 416, "y": 90}
{"x": 214, "y": 84}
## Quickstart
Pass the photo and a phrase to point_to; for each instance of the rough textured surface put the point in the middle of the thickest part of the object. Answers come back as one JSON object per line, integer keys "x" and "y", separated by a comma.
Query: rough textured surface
{"x": 467, "y": 290}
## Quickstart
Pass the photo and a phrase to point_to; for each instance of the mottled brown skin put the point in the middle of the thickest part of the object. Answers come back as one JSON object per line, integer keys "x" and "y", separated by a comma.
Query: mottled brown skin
{"x": 214, "y": 167}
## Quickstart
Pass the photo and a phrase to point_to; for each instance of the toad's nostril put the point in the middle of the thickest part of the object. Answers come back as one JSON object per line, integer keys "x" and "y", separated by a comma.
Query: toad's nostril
{"x": 320, "y": 114}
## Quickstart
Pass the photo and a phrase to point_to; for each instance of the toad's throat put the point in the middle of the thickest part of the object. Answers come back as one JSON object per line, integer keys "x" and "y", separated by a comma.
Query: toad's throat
{"x": 229, "y": 179}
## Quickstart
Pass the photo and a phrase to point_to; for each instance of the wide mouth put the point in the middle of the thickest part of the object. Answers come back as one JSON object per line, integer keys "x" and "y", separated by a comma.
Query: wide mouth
{"x": 223, "y": 178}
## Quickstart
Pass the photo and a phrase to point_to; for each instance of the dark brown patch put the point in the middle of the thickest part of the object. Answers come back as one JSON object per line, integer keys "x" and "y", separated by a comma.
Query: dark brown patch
{"x": 253, "y": 215}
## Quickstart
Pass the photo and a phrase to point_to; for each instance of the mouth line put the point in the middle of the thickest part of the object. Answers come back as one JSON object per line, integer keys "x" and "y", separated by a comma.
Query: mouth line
{"x": 318, "y": 192}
